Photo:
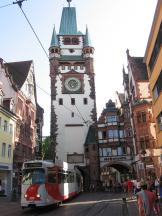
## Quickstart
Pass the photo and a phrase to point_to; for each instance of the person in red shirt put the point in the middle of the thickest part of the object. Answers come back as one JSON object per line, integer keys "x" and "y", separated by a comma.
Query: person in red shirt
{"x": 146, "y": 201}
{"x": 130, "y": 188}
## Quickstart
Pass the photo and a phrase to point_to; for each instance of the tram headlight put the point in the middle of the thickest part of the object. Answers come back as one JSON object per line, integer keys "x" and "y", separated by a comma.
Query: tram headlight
{"x": 25, "y": 196}
{"x": 38, "y": 195}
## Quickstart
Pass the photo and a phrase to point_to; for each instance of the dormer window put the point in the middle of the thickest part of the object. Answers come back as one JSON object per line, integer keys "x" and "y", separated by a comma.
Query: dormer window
{"x": 1, "y": 97}
{"x": 12, "y": 105}
{"x": 30, "y": 89}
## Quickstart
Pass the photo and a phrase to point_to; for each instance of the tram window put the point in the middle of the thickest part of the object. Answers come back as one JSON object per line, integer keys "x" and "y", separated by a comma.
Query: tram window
{"x": 52, "y": 177}
{"x": 63, "y": 177}
{"x": 33, "y": 176}
{"x": 70, "y": 177}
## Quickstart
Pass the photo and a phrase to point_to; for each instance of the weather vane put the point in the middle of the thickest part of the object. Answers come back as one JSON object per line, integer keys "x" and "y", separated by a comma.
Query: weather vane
{"x": 69, "y": 2}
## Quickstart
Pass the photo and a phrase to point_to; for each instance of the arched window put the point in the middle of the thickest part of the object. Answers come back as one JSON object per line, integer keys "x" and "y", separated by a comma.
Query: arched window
{"x": 52, "y": 50}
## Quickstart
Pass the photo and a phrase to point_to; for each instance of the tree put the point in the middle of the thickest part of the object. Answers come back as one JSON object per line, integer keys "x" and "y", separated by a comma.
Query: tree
{"x": 46, "y": 148}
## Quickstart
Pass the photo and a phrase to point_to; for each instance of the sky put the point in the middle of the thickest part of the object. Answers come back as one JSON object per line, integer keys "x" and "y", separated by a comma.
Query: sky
{"x": 114, "y": 27}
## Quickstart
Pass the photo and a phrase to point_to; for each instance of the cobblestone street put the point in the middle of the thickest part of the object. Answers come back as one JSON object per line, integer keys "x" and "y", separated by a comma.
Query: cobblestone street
{"x": 86, "y": 204}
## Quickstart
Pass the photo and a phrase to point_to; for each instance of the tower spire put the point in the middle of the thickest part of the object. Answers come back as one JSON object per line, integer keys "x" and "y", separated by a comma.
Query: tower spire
{"x": 69, "y": 2}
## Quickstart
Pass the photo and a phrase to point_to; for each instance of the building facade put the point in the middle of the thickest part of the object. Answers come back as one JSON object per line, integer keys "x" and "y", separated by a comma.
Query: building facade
{"x": 153, "y": 60}
{"x": 7, "y": 131}
{"x": 20, "y": 96}
{"x": 115, "y": 152}
{"x": 142, "y": 120}
{"x": 7, "y": 127}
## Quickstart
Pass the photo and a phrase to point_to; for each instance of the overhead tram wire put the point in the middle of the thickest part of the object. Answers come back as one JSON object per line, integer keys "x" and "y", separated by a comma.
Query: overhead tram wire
{"x": 3, "y": 6}
{"x": 19, "y": 2}
{"x": 20, "y": 6}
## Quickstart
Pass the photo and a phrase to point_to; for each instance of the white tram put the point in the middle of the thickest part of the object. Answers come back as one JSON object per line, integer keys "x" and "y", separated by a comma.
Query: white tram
{"x": 45, "y": 183}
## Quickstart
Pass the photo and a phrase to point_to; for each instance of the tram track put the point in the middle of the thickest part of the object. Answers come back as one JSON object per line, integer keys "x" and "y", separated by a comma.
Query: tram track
{"x": 101, "y": 207}
{"x": 89, "y": 207}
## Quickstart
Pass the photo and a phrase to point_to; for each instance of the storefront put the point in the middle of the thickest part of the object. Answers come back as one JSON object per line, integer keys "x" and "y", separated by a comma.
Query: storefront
{"x": 5, "y": 180}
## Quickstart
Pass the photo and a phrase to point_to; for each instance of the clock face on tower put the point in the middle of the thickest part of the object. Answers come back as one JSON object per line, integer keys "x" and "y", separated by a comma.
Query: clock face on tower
{"x": 72, "y": 84}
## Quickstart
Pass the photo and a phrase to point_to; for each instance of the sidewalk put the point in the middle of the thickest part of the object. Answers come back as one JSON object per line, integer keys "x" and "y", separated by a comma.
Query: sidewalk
{"x": 9, "y": 208}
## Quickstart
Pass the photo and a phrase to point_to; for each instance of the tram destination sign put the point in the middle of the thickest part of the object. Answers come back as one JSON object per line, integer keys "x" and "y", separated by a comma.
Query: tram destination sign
{"x": 33, "y": 165}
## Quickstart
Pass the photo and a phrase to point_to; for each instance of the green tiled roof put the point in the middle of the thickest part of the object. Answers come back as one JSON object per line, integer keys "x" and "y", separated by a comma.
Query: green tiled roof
{"x": 87, "y": 40}
{"x": 68, "y": 24}
{"x": 54, "y": 40}
{"x": 72, "y": 58}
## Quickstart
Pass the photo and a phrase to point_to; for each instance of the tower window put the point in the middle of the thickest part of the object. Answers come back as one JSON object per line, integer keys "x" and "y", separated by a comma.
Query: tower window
{"x": 75, "y": 41}
{"x": 85, "y": 100}
{"x": 86, "y": 149}
{"x": 71, "y": 50}
{"x": 63, "y": 67}
{"x": 72, "y": 114}
{"x": 60, "y": 101}
{"x": 75, "y": 67}
{"x": 72, "y": 101}
{"x": 52, "y": 50}
{"x": 69, "y": 67}
{"x": 67, "y": 41}
{"x": 81, "y": 67}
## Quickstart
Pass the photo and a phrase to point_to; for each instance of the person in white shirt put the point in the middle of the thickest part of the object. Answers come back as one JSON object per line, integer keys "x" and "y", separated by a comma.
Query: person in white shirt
{"x": 138, "y": 185}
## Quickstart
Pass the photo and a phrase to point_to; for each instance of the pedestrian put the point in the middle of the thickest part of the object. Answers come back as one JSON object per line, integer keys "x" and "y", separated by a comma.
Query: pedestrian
{"x": 156, "y": 185}
{"x": 138, "y": 186}
{"x": 160, "y": 191}
{"x": 110, "y": 185}
{"x": 130, "y": 188}
{"x": 146, "y": 201}
{"x": 0, "y": 185}
{"x": 124, "y": 185}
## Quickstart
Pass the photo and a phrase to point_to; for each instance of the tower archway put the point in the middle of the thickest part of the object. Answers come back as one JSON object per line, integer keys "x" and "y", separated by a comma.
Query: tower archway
{"x": 115, "y": 172}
